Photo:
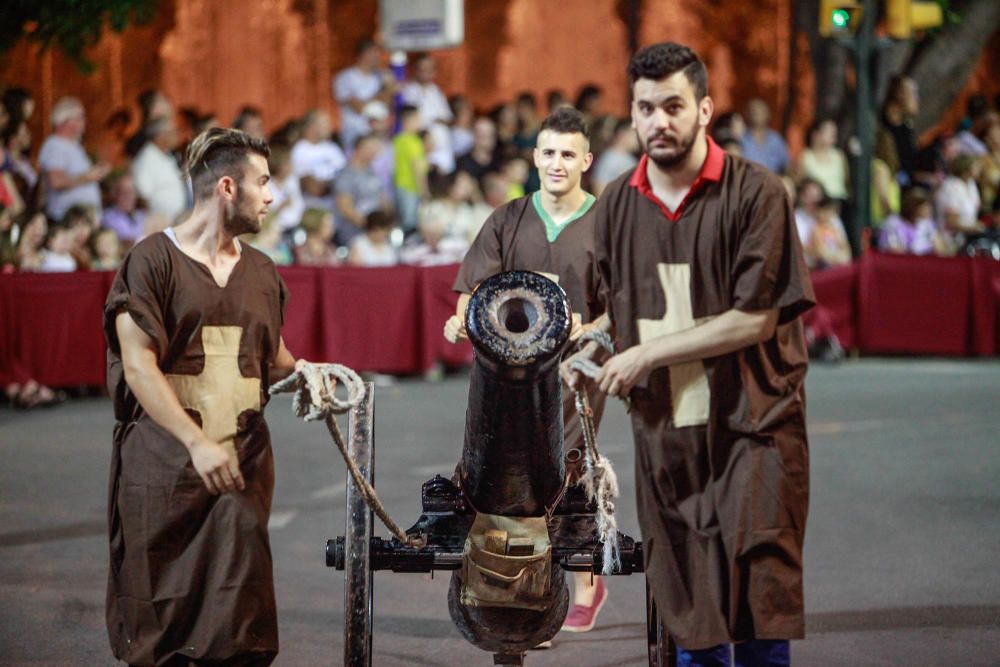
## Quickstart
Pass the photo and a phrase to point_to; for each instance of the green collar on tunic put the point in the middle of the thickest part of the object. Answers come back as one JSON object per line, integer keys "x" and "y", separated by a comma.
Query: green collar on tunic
{"x": 551, "y": 228}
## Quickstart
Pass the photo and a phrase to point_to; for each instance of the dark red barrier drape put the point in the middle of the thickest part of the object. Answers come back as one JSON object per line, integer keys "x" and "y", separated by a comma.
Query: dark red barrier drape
{"x": 11, "y": 368}
{"x": 303, "y": 331}
{"x": 836, "y": 292}
{"x": 390, "y": 320}
{"x": 437, "y": 303}
{"x": 58, "y": 337}
{"x": 371, "y": 318}
{"x": 910, "y": 304}
{"x": 985, "y": 295}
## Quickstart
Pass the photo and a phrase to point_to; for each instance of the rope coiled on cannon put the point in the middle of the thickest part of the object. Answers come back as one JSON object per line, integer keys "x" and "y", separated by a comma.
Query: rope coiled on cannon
{"x": 314, "y": 399}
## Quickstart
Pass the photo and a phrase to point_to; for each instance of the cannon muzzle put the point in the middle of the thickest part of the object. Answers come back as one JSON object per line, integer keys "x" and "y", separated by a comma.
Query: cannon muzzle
{"x": 512, "y": 462}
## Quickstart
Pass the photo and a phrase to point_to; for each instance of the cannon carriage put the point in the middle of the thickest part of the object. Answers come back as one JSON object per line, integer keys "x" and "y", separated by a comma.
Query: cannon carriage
{"x": 505, "y": 523}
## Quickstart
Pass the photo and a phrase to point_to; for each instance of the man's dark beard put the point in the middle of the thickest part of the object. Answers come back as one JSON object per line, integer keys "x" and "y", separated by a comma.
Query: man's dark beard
{"x": 238, "y": 221}
{"x": 678, "y": 158}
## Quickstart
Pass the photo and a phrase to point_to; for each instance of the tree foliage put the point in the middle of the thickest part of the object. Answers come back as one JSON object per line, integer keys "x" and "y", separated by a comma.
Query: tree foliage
{"x": 943, "y": 63}
{"x": 69, "y": 25}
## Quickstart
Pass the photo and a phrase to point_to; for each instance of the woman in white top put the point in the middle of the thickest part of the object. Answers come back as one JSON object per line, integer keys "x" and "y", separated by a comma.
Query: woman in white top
{"x": 374, "y": 248}
{"x": 823, "y": 161}
{"x": 957, "y": 200}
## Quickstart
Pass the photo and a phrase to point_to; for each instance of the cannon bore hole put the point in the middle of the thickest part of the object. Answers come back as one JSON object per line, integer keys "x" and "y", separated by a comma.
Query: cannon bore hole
{"x": 517, "y": 315}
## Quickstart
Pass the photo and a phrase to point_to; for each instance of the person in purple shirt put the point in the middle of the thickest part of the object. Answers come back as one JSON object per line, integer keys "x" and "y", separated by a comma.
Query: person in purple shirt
{"x": 124, "y": 216}
{"x": 913, "y": 230}
{"x": 761, "y": 144}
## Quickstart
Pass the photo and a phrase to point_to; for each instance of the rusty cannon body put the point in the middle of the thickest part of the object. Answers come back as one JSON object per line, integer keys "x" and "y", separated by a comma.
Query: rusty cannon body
{"x": 505, "y": 522}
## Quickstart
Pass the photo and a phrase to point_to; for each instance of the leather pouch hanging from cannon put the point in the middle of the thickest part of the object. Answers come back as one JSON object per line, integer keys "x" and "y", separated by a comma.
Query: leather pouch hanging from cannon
{"x": 507, "y": 562}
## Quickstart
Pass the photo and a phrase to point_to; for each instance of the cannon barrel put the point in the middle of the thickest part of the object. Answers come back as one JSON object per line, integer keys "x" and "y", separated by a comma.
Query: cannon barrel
{"x": 512, "y": 461}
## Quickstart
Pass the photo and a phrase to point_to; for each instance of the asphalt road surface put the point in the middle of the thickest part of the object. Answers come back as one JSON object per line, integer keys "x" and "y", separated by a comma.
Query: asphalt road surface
{"x": 901, "y": 550}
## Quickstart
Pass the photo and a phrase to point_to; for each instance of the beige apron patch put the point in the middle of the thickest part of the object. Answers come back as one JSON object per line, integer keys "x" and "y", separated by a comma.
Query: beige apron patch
{"x": 689, "y": 391}
{"x": 219, "y": 393}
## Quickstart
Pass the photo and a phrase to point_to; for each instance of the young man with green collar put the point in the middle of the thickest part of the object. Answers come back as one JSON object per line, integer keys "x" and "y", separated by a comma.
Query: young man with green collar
{"x": 550, "y": 232}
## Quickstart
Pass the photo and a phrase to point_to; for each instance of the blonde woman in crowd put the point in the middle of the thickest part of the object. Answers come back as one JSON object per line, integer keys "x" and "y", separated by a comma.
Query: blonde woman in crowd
{"x": 828, "y": 245}
{"x": 269, "y": 241}
{"x": 957, "y": 200}
{"x": 31, "y": 246}
{"x": 434, "y": 244}
{"x": 107, "y": 250}
{"x": 316, "y": 249}
{"x": 988, "y": 165}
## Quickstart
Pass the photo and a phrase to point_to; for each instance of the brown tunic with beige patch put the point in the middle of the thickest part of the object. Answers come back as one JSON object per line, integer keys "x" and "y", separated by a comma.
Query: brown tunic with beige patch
{"x": 190, "y": 574}
{"x": 516, "y": 238}
{"x": 721, "y": 451}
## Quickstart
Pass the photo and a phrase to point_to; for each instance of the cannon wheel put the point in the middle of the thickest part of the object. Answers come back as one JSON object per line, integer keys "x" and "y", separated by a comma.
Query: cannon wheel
{"x": 662, "y": 652}
{"x": 358, "y": 584}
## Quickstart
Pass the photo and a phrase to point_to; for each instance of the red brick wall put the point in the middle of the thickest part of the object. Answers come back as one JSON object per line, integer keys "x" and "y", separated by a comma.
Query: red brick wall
{"x": 281, "y": 54}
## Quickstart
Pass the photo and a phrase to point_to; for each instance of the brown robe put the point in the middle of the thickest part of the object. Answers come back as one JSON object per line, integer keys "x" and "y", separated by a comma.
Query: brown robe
{"x": 721, "y": 451}
{"x": 517, "y": 237}
{"x": 190, "y": 575}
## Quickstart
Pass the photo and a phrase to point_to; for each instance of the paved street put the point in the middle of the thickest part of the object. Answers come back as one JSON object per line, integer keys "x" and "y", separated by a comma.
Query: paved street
{"x": 901, "y": 554}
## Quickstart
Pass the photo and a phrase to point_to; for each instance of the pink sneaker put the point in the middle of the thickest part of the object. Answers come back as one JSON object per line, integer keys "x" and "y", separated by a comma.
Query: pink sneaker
{"x": 581, "y": 618}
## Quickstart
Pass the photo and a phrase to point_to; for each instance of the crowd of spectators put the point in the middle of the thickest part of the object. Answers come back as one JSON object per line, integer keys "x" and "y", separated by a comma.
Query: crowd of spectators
{"x": 412, "y": 175}
{"x": 940, "y": 200}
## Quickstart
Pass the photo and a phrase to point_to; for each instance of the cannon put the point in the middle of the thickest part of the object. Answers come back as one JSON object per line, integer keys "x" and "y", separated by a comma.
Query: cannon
{"x": 505, "y": 522}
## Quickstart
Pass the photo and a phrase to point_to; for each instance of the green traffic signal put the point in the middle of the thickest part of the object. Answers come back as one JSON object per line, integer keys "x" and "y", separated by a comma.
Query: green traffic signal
{"x": 839, "y": 18}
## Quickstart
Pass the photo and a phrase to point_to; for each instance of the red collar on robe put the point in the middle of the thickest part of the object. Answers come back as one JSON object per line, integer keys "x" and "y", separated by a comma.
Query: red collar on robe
{"x": 710, "y": 172}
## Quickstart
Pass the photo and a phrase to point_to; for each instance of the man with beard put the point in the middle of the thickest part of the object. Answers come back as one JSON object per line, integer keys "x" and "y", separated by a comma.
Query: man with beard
{"x": 193, "y": 324}
{"x": 550, "y": 232}
{"x": 703, "y": 281}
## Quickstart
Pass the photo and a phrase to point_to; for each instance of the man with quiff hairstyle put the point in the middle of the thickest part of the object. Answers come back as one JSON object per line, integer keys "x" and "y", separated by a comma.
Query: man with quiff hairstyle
{"x": 193, "y": 324}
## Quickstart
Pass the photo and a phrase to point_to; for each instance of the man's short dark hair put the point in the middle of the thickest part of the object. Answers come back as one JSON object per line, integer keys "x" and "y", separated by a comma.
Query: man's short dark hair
{"x": 245, "y": 114}
{"x": 78, "y": 214}
{"x": 219, "y": 152}
{"x": 146, "y": 99}
{"x": 11, "y": 129}
{"x": 14, "y": 99}
{"x": 365, "y": 138}
{"x": 566, "y": 120}
{"x": 897, "y": 84}
{"x": 587, "y": 93}
{"x": 555, "y": 98}
{"x": 364, "y": 45}
{"x": 157, "y": 126}
{"x": 380, "y": 219}
{"x": 913, "y": 198}
{"x": 659, "y": 61}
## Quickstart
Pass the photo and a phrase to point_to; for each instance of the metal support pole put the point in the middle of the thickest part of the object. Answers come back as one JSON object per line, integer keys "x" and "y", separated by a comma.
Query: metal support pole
{"x": 863, "y": 47}
{"x": 358, "y": 585}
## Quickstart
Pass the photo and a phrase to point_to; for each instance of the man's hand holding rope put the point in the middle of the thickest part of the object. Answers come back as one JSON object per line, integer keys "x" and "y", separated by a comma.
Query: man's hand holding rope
{"x": 622, "y": 371}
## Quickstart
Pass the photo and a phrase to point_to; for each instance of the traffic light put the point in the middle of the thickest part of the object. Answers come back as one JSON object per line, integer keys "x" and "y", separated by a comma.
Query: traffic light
{"x": 903, "y": 17}
{"x": 839, "y": 18}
